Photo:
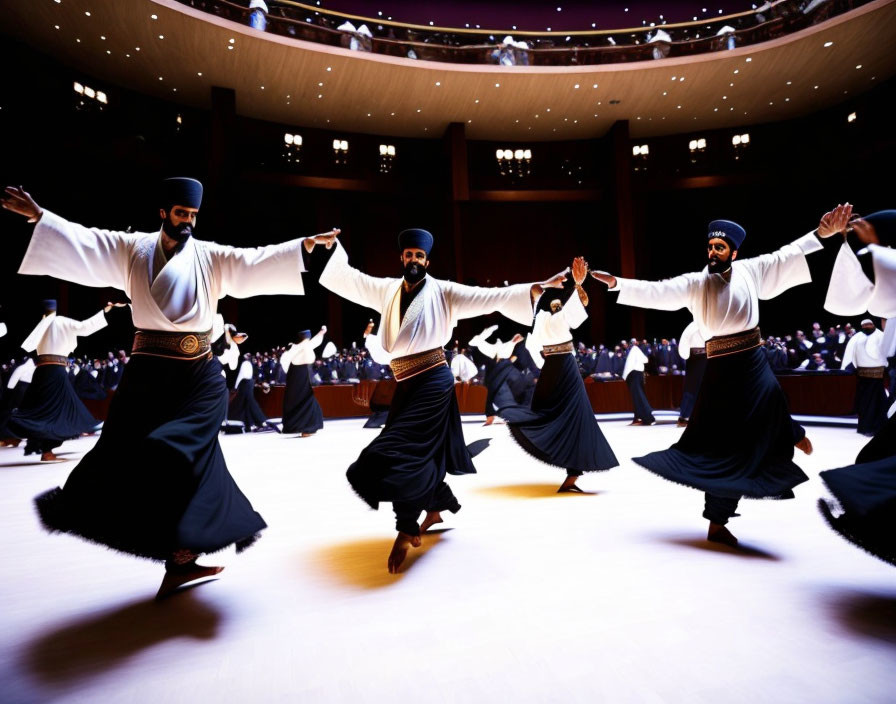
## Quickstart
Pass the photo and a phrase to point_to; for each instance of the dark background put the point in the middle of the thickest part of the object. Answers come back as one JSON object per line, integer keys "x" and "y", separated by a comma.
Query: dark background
{"x": 102, "y": 169}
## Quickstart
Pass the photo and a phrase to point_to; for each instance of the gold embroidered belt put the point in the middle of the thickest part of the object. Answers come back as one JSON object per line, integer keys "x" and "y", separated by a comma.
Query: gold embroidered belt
{"x": 871, "y": 372}
{"x": 562, "y": 348}
{"x": 698, "y": 351}
{"x": 732, "y": 344}
{"x": 43, "y": 359}
{"x": 413, "y": 364}
{"x": 173, "y": 345}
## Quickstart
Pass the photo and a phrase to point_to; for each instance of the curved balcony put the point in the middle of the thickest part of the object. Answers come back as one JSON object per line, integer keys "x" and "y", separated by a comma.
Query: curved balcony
{"x": 772, "y": 20}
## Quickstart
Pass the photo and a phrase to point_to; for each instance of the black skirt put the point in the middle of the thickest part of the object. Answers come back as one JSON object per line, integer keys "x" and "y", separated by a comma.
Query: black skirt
{"x": 301, "y": 411}
{"x": 693, "y": 378}
{"x": 560, "y": 428}
{"x": 871, "y": 404}
{"x": 156, "y": 480}
{"x": 867, "y": 493}
{"x": 244, "y": 407}
{"x": 882, "y": 445}
{"x": 12, "y": 399}
{"x": 739, "y": 440}
{"x": 507, "y": 389}
{"x": 422, "y": 441}
{"x": 50, "y": 412}
{"x": 86, "y": 386}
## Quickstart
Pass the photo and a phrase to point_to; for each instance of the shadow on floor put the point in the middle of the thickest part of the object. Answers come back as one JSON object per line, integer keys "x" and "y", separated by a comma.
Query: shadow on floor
{"x": 864, "y": 614}
{"x": 742, "y": 550}
{"x": 362, "y": 564}
{"x": 93, "y": 645}
{"x": 529, "y": 491}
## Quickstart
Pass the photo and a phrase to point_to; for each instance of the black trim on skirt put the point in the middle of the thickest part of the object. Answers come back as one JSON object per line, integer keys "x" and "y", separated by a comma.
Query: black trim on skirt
{"x": 739, "y": 440}
{"x": 156, "y": 481}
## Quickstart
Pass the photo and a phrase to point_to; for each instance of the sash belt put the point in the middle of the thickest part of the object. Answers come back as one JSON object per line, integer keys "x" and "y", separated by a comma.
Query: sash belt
{"x": 561, "y": 348}
{"x": 173, "y": 345}
{"x": 871, "y": 372}
{"x": 43, "y": 359}
{"x": 413, "y": 364}
{"x": 732, "y": 344}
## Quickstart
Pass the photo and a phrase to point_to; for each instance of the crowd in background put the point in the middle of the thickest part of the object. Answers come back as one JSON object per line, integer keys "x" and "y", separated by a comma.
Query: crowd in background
{"x": 818, "y": 351}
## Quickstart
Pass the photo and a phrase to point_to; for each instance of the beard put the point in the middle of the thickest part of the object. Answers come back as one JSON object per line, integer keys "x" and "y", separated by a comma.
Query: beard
{"x": 717, "y": 265}
{"x": 868, "y": 331}
{"x": 414, "y": 272}
{"x": 179, "y": 233}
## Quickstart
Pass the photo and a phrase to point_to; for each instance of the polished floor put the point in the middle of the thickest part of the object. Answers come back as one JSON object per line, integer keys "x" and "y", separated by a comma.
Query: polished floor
{"x": 525, "y": 596}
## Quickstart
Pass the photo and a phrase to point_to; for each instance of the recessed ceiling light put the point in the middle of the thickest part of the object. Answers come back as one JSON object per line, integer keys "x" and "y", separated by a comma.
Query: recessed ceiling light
{"x": 230, "y": 46}
{"x": 108, "y": 52}
{"x": 737, "y": 70}
{"x": 160, "y": 78}
{"x": 320, "y": 95}
{"x": 827, "y": 44}
{"x": 320, "y": 84}
{"x": 594, "y": 86}
{"x": 438, "y": 83}
{"x": 137, "y": 48}
{"x": 789, "y": 83}
{"x": 232, "y": 40}
{"x": 262, "y": 87}
{"x": 418, "y": 109}
{"x": 87, "y": 13}
{"x": 816, "y": 87}
{"x": 155, "y": 17}
{"x": 497, "y": 85}
{"x": 329, "y": 68}
{"x": 102, "y": 37}
{"x": 392, "y": 113}
{"x": 477, "y": 100}
{"x": 57, "y": 26}
{"x": 78, "y": 40}
{"x": 161, "y": 36}
{"x": 859, "y": 66}
{"x": 665, "y": 93}
{"x": 199, "y": 73}
{"x": 576, "y": 86}
{"x": 748, "y": 59}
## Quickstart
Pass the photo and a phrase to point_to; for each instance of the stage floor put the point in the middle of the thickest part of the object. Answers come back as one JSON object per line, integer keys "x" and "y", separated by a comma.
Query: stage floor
{"x": 527, "y": 596}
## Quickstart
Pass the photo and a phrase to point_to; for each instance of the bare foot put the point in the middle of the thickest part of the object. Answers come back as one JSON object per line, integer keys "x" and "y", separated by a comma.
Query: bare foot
{"x": 569, "y": 485}
{"x": 10, "y": 442}
{"x": 720, "y": 534}
{"x": 432, "y": 517}
{"x": 403, "y": 542}
{"x": 489, "y": 420}
{"x": 307, "y": 435}
{"x": 48, "y": 457}
{"x": 174, "y": 580}
{"x": 805, "y": 445}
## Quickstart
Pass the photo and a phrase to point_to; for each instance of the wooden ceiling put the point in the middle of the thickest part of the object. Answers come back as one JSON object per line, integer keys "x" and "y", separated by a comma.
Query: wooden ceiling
{"x": 184, "y": 52}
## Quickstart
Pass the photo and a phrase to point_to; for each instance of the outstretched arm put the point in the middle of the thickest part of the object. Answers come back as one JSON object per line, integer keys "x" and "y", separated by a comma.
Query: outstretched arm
{"x": 68, "y": 251}
{"x": 353, "y": 285}
{"x": 270, "y": 270}
{"x": 669, "y": 294}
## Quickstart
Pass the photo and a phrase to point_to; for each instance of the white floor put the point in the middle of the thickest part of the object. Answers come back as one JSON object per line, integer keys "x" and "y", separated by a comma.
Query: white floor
{"x": 530, "y": 597}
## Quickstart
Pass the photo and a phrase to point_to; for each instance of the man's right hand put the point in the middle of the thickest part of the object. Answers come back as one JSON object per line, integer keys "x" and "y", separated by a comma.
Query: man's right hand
{"x": 605, "y": 278}
{"x": 19, "y": 201}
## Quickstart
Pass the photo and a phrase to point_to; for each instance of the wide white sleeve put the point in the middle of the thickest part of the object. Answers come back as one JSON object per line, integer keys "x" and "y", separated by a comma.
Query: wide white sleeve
{"x": 669, "y": 294}
{"x": 573, "y": 311}
{"x": 489, "y": 349}
{"x": 849, "y": 354}
{"x": 3, "y": 330}
{"x": 883, "y": 300}
{"x": 83, "y": 328}
{"x": 778, "y": 271}
{"x": 514, "y": 302}
{"x": 287, "y": 356}
{"x": 259, "y": 271}
{"x": 317, "y": 340}
{"x": 353, "y": 285}
{"x": 72, "y": 252}
{"x": 850, "y": 289}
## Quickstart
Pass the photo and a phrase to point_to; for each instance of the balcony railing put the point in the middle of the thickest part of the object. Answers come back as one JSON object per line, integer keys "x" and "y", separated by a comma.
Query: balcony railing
{"x": 464, "y": 46}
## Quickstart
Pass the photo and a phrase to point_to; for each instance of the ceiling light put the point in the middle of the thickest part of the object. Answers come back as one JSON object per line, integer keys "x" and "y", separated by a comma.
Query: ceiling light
{"x": 497, "y": 85}
{"x": 329, "y": 68}
{"x": 827, "y": 44}
{"x": 161, "y": 36}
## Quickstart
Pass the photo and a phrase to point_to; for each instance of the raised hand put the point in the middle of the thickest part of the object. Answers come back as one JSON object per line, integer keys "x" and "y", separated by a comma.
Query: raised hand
{"x": 327, "y": 239}
{"x": 19, "y": 201}
{"x": 865, "y": 231}
{"x": 579, "y": 270}
{"x": 835, "y": 221}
